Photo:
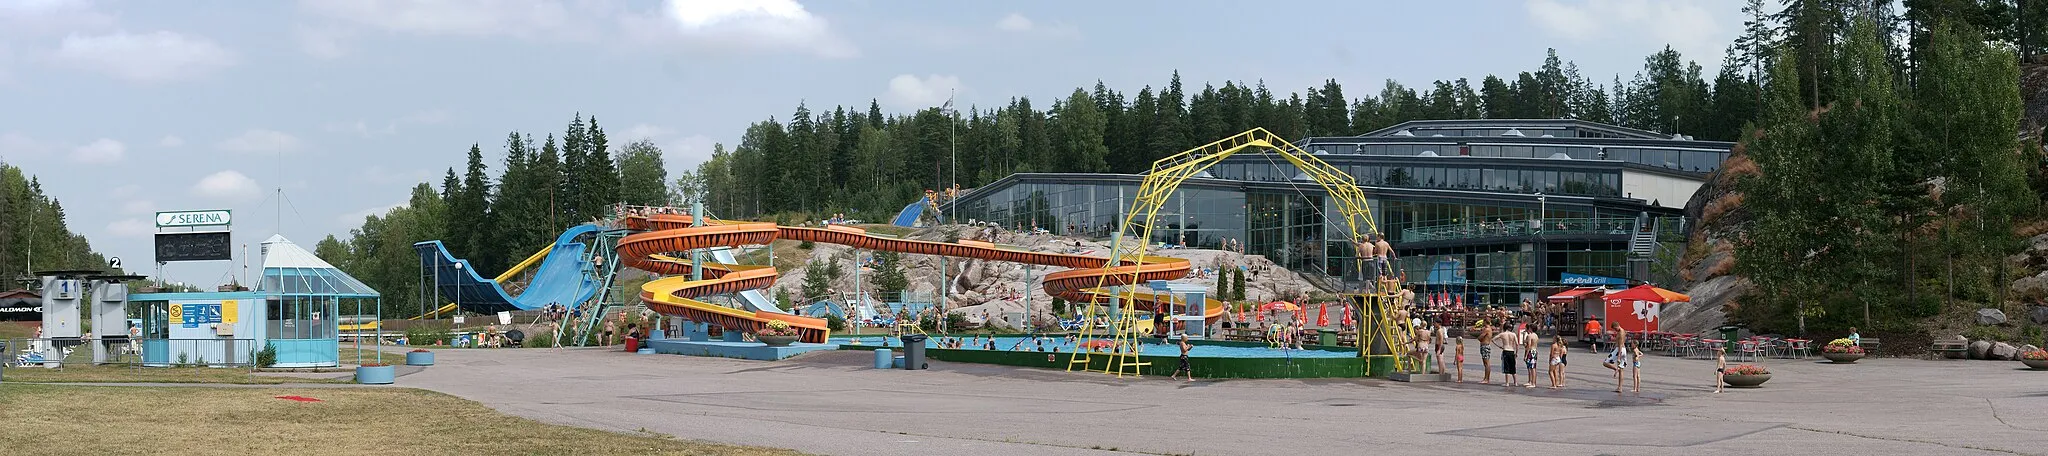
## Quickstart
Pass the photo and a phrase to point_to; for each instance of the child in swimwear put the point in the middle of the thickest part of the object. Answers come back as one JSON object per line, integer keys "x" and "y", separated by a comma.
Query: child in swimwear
{"x": 1461, "y": 360}
{"x": 1556, "y": 363}
{"x": 1636, "y": 373}
{"x": 1720, "y": 367}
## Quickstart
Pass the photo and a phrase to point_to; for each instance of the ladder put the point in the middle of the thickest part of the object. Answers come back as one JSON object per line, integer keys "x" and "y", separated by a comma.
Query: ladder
{"x": 603, "y": 263}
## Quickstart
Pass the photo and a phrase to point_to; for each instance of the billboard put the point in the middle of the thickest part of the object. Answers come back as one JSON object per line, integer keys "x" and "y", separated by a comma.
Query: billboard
{"x": 203, "y": 246}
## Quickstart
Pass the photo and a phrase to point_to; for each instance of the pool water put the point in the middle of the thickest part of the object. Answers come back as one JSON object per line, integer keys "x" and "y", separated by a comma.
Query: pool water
{"x": 1059, "y": 344}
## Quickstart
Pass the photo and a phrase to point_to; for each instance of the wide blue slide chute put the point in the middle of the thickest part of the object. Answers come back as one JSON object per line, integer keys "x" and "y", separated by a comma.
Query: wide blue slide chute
{"x": 564, "y": 277}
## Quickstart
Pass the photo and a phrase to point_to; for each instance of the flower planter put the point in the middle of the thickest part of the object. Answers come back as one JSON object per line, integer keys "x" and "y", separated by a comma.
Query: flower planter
{"x": 2037, "y": 364}
{"x": 419, "y": 358}
{"x": 1843, "y": 357}
{"x": 376, "y": 375}
{"x": 776, "y": 341}
{"x": 1746, "y": 381}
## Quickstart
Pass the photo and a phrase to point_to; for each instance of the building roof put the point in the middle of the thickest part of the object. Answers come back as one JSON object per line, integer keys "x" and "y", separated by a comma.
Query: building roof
{"x": 290, "y": 269}
{"x": 25, "y": 294}
{"x": 1616, "y": 130}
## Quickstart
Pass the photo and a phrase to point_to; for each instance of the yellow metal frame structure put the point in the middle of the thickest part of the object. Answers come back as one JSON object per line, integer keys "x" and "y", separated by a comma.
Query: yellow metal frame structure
{"x": 1160, "y": 183}
{"x": 508, "y": 275}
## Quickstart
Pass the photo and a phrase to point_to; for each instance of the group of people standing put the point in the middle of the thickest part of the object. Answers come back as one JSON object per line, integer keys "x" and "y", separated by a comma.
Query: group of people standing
{"x": 1519, "y": 344}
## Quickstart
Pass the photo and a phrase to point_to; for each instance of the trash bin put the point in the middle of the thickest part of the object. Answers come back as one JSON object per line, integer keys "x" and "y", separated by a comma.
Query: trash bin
{"x": 913, "y": 351}
{"x": 884, "y": 359}
{"x": 1731, "y": 333}
{"x": 632, "y": 344}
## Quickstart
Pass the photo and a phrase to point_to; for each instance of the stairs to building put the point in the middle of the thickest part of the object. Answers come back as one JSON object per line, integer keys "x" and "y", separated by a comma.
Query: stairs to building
{"x": 1643, "y": 243}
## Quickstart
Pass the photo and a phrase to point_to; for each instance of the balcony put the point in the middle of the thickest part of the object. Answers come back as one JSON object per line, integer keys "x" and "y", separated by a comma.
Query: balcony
{"x": 1484, "y": 230}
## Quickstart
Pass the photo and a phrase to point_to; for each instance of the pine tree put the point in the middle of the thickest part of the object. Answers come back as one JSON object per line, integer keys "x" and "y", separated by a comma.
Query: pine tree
{"x": 575, "y": 166}
{"x": 642, "y": 175}
{"x": 1222, "y": 291}
{"x": 1080, "y": 132}
{"x": 817, "y": 282}
{"x": 602, "y": 189}
{"x": 1237, "y": 284}
{"x": 469, "y": 219}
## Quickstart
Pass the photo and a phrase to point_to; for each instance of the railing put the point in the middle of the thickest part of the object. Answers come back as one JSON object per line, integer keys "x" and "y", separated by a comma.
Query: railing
{"x": 1614, "y": 226}
{"x": 215, "y": 352}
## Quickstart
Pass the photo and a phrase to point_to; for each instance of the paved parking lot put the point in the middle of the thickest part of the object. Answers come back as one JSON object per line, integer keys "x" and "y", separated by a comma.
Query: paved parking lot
{"x": 834, "y": 403}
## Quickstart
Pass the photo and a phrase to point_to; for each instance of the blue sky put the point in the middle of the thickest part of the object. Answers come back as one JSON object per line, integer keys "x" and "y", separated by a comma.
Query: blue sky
{"x": 126, "y": 108}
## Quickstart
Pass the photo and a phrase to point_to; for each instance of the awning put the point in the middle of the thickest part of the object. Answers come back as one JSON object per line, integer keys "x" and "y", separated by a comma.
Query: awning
{"x": 1576, "y": 293}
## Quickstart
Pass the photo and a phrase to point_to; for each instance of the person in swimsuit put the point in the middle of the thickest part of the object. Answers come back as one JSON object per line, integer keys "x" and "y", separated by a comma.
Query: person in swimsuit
{"x": 1617, "y": 360}
{"x": 1720, "y": 367}
{"x": 1461, "y": 360}
{"x": 1486, "y": 351}
{"x": 1507, "y": 341}
{"x": 1183, "y": 360}
{"x": 1529, "y": 340}
{"x": 1635, "y": 371}
{"x": 1557, "y": 363}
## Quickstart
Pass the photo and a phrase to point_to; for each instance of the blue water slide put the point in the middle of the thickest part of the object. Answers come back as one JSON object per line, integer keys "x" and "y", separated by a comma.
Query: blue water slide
{"x": 908, "y": 217}
{"x": 564, "y": 277}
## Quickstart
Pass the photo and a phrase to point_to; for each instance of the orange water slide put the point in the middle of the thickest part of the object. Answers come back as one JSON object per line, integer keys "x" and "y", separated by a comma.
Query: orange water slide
{"x": 663, "y": 234}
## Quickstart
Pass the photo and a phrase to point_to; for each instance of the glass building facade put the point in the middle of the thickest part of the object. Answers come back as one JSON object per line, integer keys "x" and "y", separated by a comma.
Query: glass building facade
{"x": 1492, "y": 210}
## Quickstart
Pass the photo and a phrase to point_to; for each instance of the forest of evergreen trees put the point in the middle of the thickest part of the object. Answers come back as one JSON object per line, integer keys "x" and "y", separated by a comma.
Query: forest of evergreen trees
{"x": 542, "y": 187}
{"x": 35, "y": 222}
{"x": 1858, "y": 105}
{"x": 869, "y": 164}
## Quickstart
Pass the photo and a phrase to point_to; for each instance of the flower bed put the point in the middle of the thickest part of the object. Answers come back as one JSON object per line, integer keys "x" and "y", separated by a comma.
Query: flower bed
{"x": 1746, "y": 376}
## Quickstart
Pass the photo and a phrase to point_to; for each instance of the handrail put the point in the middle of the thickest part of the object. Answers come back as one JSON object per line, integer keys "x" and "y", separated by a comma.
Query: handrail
{"x": 1614, "y": 226}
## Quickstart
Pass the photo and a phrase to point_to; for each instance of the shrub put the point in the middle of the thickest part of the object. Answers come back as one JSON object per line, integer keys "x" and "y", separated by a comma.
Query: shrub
{"x": 1843, "y": 345}
{"x": 428, "y": 334}
{"x": 835, "y": 322}
{"x": 806, "y": 245}
{"x": 1985, "y": 333}
{"x": 267, "y": 356}
{"x": 1748, "y": 369}
{"x": 542, "y": 339}
{"x": 956, "y": 321}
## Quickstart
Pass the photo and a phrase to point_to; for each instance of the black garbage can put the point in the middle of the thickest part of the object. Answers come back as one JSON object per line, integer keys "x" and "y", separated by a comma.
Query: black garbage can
{"x": 913, "y": 351}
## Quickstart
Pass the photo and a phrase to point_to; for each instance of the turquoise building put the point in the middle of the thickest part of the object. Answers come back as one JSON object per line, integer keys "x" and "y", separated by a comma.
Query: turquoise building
{"x": 295, "y": 308}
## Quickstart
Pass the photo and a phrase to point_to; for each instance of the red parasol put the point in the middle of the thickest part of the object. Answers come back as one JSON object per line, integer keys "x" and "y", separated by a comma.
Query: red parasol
{"x": 1323, "y": 315}
{"x": 1279, "y": 305}
{"x": 1347, "y": 315}
{"x": 1647, "y": 292}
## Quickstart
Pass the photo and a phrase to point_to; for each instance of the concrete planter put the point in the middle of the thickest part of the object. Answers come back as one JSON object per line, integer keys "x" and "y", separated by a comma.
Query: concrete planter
{"x": 2037, "y": 364}
{"x": 419, "y": 358}
{"x": 1746, "y": 381}
{"x": 376, "y": 375}
{"x": 1842, "y": 358}
{"x": 776, "y": 341}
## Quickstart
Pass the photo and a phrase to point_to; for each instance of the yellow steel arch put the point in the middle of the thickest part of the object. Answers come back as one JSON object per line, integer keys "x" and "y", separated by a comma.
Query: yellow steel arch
{"x": 1131, "y": 241}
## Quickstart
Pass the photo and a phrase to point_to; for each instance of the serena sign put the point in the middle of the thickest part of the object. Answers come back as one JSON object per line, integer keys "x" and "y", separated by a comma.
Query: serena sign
{"x": 192, "y": 218}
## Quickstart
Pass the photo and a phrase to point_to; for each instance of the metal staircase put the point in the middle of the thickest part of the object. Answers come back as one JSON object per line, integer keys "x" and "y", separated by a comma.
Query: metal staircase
{"x": 1643, "y": 243}
{"x": 603, "y": 261}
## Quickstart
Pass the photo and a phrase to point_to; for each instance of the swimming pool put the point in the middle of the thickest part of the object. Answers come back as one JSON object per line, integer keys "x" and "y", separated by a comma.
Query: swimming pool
{"x": 1059, "y": 344}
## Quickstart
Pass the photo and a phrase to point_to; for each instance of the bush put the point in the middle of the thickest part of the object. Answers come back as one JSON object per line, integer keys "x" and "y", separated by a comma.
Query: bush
{"x": 806, "y": 245}
{"x": 542, "y": 339}
{"x": 1986, "y": 333}
{"x": 834, "y": 322}
{"x": 956, "y": 321}
{"x": 929, "y": 322}
{"x": 267, "y": 356}
{"x": 428, "y": 334}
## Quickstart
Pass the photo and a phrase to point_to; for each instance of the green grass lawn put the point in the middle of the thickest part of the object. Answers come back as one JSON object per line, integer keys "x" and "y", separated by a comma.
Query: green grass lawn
{"x": 65, "y": 419}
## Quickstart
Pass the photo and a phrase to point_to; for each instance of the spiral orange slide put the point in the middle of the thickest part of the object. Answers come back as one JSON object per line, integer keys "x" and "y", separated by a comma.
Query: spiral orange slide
{"x": 665, "y": 234}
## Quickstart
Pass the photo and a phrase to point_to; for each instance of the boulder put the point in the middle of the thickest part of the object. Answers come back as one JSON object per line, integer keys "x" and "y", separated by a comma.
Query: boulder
{"x": 2032, "y": 288}
{"x": 2002, "y": 351}
{"x": 1979, "y": 348}
{"x": 1990, "y": 317}
{"x": 2039, "y": 314}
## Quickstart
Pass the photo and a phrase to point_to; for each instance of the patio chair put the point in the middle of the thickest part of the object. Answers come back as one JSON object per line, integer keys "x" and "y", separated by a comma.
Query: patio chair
{"x": 1800, "y": 348}
{"x": 1749, "y": 349}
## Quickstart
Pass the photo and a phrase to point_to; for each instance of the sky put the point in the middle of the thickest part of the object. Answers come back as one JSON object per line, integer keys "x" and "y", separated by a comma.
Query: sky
{"x": 127, "y": 108}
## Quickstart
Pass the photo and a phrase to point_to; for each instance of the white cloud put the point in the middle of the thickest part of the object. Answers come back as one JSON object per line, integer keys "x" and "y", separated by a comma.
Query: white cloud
{"x": 472, "y": 18}
{"x": 745, "y": 26}
{"x": 44, "y": 17}
{"x": 358, "y": 216}
{"x": 643, "y": 131}
{"x": 1689, "y": 26}
{"x": 101, "y": 151}
{"x": 907, "y": 91}
{"x": 364, "y": 129}
{"x": 260, "y": 141}
{"x": 14, "y": 145}
{"x": 229, "y": 185}
{"x": 170, "y": 141}
{"x": 1014, "y": 23}
{"x": 149, "y": 57}
{"x": 131, "y": 227}
{"x": 137, "y": 207}
{"x": 322, "y": 42}
{"x": 125, "y": 191}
